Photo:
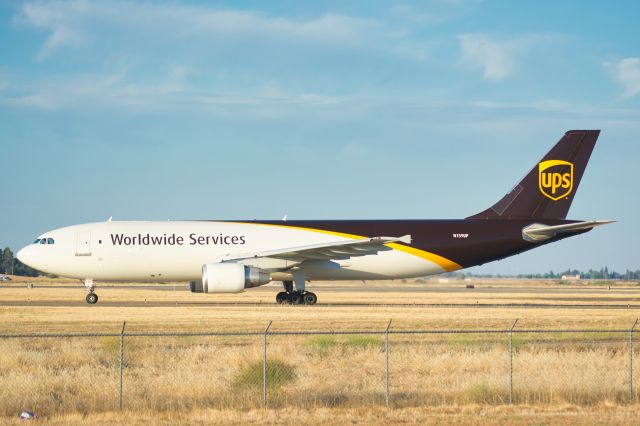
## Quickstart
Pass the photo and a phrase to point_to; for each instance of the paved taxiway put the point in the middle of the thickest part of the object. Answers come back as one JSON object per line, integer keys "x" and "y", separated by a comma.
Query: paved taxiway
{"x": 332, "y": 305}
{"x": 554, "y": 297}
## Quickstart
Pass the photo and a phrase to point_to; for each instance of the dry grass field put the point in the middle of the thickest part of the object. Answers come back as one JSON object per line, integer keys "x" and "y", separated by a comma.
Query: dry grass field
{"x": 605, "y": 414}
{"x": 435, "y": 378}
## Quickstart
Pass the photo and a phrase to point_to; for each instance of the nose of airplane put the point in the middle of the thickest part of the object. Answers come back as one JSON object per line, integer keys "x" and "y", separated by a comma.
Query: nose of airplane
{"x": 23, "y": 256}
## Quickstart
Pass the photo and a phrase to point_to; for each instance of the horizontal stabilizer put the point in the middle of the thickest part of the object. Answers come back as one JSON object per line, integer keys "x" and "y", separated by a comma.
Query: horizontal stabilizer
{"x": 539, "y": 232}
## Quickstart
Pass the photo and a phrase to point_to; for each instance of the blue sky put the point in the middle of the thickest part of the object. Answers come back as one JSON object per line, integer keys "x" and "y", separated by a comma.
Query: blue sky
{"x": 203, "y": 110}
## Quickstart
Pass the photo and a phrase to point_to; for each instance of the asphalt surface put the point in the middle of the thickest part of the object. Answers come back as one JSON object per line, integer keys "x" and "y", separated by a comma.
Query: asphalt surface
{"x": 102, "y": 303}
{"x": 556, "y": 297}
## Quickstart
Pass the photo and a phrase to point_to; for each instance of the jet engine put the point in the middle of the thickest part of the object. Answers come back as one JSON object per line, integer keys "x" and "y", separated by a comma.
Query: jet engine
{"x": 228, "y": 278}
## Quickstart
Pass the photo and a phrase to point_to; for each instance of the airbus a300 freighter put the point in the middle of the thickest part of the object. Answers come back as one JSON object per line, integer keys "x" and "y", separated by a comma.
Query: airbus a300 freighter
{"x": 231, "y": 256}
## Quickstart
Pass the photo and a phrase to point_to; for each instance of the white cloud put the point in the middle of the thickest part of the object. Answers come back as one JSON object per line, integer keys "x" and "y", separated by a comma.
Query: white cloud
{"x": 412, "y": 13}
{"x": 170, "y": 94}
{"x": 81, "y": 23}
{"x": 58, "y": 20}
{"x": 38, "y": 100}
{"x": 431, "y": 12}
{"x": 161, "y": 56}
{"x": 498, "y": 59}
{"x": 627, "y": 73}
{"x": 548, "y": 105}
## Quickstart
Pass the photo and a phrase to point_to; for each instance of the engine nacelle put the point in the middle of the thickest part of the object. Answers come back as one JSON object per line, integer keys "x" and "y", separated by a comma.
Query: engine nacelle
{"x": 228, "y": 278}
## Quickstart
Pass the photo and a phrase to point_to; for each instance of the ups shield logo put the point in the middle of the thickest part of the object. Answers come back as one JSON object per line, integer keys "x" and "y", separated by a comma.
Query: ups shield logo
{"x": 555, "y": 178}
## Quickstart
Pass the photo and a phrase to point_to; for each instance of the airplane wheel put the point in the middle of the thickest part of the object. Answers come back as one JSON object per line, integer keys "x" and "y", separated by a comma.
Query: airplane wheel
{"x": 295, "y": 298}
{"x": 282, "y": 297}
{"x": 92, "y": 298}
{"x": 310, "y": 298}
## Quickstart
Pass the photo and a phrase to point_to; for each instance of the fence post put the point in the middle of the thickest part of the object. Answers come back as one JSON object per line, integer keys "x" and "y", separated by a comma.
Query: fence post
{"x": 386, "y": 363}
{"x": 264, "y": 364}
{"x": 631, "y": 360}
{"x": 511, "y": 361}
{"x": 124, "y": 323}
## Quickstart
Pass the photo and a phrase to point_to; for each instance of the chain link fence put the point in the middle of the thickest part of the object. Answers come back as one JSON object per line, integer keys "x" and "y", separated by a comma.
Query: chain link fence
{"x": 60, "y": 373}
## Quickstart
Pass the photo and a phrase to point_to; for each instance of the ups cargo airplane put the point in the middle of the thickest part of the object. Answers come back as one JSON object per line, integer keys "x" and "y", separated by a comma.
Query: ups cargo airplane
{"x": 231, "y": 256}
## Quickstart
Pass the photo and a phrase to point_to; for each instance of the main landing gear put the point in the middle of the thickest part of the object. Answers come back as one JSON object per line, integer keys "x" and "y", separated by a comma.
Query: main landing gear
{"x": 92, "y": 298}
{"x": 298, "y": 296}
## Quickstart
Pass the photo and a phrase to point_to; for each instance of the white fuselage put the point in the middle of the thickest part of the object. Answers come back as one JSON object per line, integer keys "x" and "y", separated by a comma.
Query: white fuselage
{"x": 176, "y": 251}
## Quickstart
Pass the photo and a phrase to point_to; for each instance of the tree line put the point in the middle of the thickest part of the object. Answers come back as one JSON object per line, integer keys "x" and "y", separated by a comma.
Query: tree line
{"x": 592, "y": 274}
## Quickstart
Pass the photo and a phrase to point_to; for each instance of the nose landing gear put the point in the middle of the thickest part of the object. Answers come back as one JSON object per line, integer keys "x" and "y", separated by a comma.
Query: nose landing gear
{"x": 91, "y": 298}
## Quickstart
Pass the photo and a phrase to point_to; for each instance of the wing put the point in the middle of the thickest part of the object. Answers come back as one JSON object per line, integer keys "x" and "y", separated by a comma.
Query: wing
{"x": 336, "y": 250}
{"x": 538, "y": 232}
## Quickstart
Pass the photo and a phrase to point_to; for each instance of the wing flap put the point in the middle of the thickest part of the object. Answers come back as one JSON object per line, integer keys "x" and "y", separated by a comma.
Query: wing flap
{"x": 335, "y": 250}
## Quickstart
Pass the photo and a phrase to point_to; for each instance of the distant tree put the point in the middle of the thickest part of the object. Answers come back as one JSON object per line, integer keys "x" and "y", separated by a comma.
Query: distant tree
{"x": 603, "y": 273}
{"x": 7, "y": 260}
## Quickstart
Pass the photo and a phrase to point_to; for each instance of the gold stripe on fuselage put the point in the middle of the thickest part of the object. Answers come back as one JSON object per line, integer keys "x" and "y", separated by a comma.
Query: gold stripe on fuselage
{"x": 443, "y": 262}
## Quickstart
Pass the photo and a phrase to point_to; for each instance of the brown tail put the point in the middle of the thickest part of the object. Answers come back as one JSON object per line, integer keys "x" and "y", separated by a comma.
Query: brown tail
{"x": 548, "y": 190}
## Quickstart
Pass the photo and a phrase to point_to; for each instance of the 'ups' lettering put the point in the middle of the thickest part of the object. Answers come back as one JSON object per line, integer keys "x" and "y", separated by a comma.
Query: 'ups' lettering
{"x": 555, "y": 178}
{"x": 555, "y": 181}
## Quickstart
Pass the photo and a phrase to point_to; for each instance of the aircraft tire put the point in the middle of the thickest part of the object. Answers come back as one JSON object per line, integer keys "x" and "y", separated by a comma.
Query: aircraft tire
{"x": 92, "y": 298}
{"x": 310, "y": 298}
{"x": 295, "y": 298}
{"x": 282, "y": 297}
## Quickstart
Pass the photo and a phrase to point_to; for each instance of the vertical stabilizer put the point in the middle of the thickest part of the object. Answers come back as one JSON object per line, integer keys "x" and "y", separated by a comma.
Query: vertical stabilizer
{"x": 548, "y": 189}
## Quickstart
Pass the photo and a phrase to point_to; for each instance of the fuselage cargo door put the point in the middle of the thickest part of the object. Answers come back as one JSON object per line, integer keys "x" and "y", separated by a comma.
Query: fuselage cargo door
{"x": 83, "y": 244}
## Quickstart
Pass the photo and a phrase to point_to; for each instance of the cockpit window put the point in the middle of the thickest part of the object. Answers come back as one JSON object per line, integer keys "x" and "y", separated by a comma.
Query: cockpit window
{"x": 45, "y": 240}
